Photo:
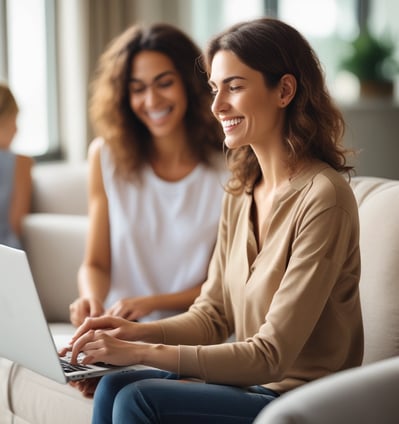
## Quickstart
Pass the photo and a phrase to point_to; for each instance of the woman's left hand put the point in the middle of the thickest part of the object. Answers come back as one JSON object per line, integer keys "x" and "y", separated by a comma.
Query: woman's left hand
{"x": 99, "y": 346}
{"x": 134, "y": 308}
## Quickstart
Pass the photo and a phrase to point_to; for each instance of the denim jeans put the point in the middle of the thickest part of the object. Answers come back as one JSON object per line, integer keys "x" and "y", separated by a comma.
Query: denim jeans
{"x": 155, "y": 396}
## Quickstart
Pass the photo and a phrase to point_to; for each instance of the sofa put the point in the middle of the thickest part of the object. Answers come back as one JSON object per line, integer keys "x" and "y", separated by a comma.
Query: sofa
{"x": 54, "y": 237}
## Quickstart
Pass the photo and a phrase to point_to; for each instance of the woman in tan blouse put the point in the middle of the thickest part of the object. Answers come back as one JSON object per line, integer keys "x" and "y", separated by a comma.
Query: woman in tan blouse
{"x": 285, "y": 271}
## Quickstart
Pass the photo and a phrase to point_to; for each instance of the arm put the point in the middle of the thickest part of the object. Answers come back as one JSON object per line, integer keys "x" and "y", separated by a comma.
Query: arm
{"x": 285, "y": 335}
{"x": 112, "y": 345}
{"x": 94, "y": 273}
{"x": 134, "y": 308}
{"x": 22, "y": 193}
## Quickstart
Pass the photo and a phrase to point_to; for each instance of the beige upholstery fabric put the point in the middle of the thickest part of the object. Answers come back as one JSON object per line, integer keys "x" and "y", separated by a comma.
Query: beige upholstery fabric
{"x": 379, "y": 285}
{"x": 60, "y": 188}
{"x": 363, "y": 395}
{"x": 36, "y": 399}
{"x": 55, "y": 245}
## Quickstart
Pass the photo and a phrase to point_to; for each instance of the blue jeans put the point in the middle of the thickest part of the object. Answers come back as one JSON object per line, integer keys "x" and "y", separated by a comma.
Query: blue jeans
{"x": 155, "y": 396}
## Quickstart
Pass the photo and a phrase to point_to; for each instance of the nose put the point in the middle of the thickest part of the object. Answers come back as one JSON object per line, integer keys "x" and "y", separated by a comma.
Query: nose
{"x": 219, "y": 104}
{"x": 151, "y": 96}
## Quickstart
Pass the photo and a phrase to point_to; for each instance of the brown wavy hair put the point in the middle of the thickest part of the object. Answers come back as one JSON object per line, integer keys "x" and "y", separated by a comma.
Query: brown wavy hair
{"x": 314, "y": 126}
{"x": 110, "y": 112}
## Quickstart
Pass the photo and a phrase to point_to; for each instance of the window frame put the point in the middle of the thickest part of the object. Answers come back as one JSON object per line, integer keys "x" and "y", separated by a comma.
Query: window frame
{"x": 51, "y": 99}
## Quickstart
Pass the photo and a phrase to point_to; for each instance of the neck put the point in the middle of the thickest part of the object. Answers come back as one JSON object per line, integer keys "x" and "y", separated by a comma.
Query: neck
{"x": 172, "y": 158}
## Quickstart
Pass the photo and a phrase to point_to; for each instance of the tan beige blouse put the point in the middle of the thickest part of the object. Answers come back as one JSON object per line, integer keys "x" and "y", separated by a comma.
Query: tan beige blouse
{"x": 293, "y": 306}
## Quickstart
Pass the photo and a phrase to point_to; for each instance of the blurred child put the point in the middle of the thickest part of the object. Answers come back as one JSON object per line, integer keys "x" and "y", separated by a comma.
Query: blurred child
{"x": 15, "y": 174}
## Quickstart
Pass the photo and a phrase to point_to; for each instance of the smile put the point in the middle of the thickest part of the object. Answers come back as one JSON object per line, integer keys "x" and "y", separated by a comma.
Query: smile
{"x": 159, "y": 114}
{"x": 230, "y": 123}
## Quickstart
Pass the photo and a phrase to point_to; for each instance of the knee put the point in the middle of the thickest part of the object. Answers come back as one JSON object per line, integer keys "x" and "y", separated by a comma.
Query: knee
{"x": 107, "y": 388}
{"x": 133, "y": 403}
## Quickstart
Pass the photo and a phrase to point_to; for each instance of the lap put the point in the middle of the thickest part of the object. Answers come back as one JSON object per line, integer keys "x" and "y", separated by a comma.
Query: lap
{"x": 180, "y": 401}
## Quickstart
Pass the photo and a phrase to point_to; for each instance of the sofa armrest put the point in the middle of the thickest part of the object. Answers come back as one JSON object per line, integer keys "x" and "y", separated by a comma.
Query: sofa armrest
{"x": 366, "y": 395}
{"x": 55, "y": 244}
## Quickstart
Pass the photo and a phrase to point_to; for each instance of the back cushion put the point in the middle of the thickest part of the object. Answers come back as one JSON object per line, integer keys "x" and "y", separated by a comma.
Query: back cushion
{"x": 378, "y": 201}
{"x": 60, "y": 188}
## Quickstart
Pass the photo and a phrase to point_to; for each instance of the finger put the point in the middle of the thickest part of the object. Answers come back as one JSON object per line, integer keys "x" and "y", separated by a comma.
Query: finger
{"x": 77, "y": 319}
{"x": 63, "y": 351}
{"x": 91, "y": 324}
{"x": 111, "y": 311}
{"x": 134, "y": 315}
{"x": 79, "y": 344}
{"x": 125, "y": 313}
{"x": 116, "y": 310}
{"x": 97, "y": 350}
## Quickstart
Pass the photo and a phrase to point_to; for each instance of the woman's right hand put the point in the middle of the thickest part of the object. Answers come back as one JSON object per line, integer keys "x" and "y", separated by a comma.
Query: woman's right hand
{"x": 114, "y": 326}
{"x": 82, "y": 308}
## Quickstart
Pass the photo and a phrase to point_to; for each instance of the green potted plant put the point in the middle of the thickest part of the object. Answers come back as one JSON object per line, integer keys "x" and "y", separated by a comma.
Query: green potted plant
{"x": 371, "y": 60}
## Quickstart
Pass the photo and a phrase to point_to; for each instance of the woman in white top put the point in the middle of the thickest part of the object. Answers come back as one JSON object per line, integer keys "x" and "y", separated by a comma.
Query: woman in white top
{"x": 156, "y": 179}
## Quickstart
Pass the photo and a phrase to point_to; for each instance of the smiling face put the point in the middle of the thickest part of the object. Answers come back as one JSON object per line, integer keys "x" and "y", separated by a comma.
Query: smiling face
{"x": 157, "y": 94}
{"x": 249, "y": 111}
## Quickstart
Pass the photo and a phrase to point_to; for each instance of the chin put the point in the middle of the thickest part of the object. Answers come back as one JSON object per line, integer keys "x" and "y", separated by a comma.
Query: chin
{"x": 231, "y": 143}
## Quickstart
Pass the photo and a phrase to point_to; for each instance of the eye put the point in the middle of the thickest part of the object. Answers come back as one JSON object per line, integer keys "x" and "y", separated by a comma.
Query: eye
{"x": 165, "y": 83}
{"x": 136, "y": 88}
{"x": 233, "y": 88}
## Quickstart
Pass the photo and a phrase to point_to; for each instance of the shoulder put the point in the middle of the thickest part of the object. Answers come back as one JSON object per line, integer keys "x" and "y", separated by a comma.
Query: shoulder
{"x": 95, "y": 147}
{"x": 328, "y": 188}
{"x": 23, "y": 162}
{"x": 234, "y": 205}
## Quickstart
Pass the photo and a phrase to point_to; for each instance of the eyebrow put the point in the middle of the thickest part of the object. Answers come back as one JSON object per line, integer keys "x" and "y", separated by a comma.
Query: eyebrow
{"x": 158, "y": 77}
{"x": 228, "y": 79}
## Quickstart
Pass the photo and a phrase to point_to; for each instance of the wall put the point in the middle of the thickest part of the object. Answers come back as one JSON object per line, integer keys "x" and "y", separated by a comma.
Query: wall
{"x": 373, "y": 129}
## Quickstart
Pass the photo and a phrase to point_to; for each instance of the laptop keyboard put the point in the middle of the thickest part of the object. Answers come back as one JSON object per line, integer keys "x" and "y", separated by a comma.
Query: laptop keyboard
{"x": 68, "y": 367}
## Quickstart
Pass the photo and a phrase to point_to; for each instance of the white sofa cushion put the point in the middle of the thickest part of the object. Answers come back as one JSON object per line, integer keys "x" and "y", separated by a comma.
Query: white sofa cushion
{"x": 55, "y": 246}
{"x": 378, "y": 201}
{"x": 60, "y": 188}
{"x": 32, "y": 398}
{"x": 362, "y": 395}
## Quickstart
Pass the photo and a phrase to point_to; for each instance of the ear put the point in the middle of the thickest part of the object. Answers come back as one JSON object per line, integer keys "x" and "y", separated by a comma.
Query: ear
{"x": 287, "y": 89}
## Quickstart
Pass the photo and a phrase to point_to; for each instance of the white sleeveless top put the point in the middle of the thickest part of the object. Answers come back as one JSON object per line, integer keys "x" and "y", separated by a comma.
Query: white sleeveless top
{"x": 162, "y": 233}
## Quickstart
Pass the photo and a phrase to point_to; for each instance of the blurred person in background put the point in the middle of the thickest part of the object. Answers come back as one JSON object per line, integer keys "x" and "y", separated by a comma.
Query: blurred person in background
{"x": 15, "y": 174}
{"x": 156, "y": 177}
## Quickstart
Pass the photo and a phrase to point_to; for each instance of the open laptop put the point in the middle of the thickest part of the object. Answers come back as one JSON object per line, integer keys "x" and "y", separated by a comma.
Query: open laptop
{"x": 25, "y": 336}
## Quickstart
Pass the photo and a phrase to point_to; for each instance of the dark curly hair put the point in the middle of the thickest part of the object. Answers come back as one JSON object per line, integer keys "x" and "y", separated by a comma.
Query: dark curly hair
{"x": 314, "y": 126}
{"x": 110, "y": 112}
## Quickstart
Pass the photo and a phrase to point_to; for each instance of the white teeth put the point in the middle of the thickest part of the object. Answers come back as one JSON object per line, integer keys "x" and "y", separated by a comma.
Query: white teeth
{"x": 231, "y": 122}
{"x": 158, "y": 114}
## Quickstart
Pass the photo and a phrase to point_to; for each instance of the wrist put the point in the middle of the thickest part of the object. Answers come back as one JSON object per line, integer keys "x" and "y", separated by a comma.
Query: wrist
{"x": 160, "y": 356}
{"x": 150, "y": 332}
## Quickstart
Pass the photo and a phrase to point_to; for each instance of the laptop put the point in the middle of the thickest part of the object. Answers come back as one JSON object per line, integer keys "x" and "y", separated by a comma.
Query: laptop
{"x": 25, "y": 336}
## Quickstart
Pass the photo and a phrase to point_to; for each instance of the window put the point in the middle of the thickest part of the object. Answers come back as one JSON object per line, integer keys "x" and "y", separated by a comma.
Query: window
{"x": 331, "y": 24}
{"x": 209, "y": 17}
{"x": 28, "y": 48}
